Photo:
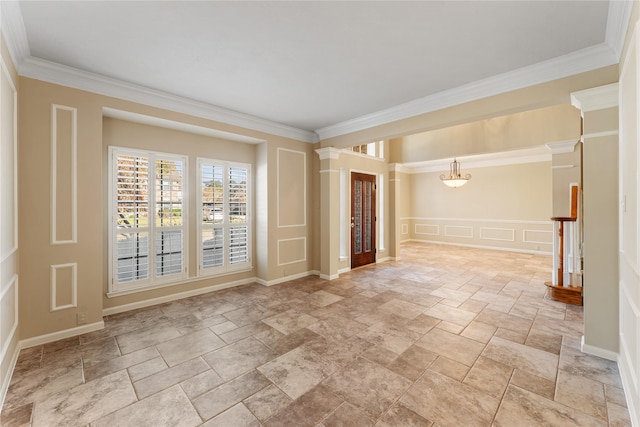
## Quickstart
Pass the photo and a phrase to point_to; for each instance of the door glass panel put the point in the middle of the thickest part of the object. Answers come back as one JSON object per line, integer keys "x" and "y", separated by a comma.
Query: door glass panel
{"x": 357, "y": 218}
{"x": 367, "y": 217}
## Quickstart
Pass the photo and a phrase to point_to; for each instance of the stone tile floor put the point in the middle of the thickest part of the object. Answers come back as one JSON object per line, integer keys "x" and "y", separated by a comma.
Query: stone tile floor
{"x": 447, "y": 336}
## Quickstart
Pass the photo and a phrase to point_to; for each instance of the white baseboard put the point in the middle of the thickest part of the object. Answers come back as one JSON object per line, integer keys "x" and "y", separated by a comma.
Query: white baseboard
{"x": 493, "y": 248}
{"x": 286, "y": 278}
{"x": 597, "y": 351}
{"x": 329, "y": 277}
{"x": 58, "y": 335}
{"x": 173, "y": 297}
{"x": 344, "y": 270}
{"x": 385, "y": 259}
{"x": 7, "y": 380}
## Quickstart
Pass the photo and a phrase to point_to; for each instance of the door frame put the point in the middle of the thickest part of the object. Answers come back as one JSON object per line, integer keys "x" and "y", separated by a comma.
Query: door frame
{"x": 358, "y": 260}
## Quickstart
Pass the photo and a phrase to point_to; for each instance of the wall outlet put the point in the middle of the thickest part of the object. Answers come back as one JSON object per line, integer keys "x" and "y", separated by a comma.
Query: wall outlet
{"x": 82, "y": 318}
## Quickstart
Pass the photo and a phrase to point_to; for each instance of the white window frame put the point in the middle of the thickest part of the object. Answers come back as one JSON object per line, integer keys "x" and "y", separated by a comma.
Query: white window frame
{"x": 153, "y": 280}
{"x": 226, "y": 266}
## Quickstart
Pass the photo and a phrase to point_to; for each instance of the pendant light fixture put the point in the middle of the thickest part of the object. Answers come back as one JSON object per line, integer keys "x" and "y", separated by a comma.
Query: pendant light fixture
{"x": 455, "y": 179}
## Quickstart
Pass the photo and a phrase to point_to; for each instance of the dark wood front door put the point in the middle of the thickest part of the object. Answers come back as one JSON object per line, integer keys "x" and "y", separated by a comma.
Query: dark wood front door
{"x": 363, "y": 219}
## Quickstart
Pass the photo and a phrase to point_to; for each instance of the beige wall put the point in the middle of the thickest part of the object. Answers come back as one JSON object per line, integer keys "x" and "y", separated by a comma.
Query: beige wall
{"x": 119, "y": 133}
{"x": 10, "y": 283}
{"x": 505, "y": 133}
{"x": 504, "y": 207}
{"x": 281, "y": 164}
{"x": 539, "y": 96}
{"x": 600, "y": 216}
{"x": 629, "y": 263}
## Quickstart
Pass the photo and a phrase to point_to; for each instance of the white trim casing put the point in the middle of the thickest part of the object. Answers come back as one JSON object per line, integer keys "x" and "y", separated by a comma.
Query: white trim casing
{"x": 54, "y": 174}
{"x": 13, "y": 283}
{"x": 226, "y": 268}
{"x": 152, "y": 281}
{"x": 14, "y": 137}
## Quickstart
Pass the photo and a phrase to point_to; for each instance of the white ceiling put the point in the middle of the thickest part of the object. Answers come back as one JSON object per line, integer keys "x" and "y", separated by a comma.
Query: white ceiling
{"x": 310, "y": 68}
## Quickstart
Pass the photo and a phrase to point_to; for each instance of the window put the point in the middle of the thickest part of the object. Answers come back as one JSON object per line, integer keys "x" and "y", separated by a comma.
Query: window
{"x": 224, "y": 233}
{"x": 147, "y": 231}
{"x": 373, "y": 149}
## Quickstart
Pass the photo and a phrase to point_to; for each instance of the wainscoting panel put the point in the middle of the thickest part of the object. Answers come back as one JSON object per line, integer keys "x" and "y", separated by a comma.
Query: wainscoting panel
{"x": 427, "y": 229}
{"x": 514, "y": 235}
{"x": 8, "y": 315}
{"x": 458, "y": 231}
{"x": 64, "y": 286}
{"x": 504, "y": 234}
{"x": 291, "y": 251}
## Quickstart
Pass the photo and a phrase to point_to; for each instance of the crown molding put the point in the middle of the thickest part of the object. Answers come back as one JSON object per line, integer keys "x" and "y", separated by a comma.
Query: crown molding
{"x": 14, "y": 31}
{"x": 577, "y": 62}
{"x": 597, "y": 98}
{"x": 329, "y": 153}
{"x": 67, "y": 76}
{"x": 591, "y": 58}
{"x": 617, "y": 24}
{"x": 562, "y": 147}
{"x": 515, "y": 157}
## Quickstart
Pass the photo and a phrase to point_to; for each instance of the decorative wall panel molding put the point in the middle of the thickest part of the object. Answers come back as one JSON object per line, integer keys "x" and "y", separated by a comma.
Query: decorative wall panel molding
{"x": 8, "y": 314}
{"x": 291, "y": 251}
{"x": 504, "y": 234}
{"x": 64, "y": 286}
{"x": 291, "y": 189}
{"x": 64, "y": 175}
{"x": 427, "y": 229}
{"x": 458, "y": 231}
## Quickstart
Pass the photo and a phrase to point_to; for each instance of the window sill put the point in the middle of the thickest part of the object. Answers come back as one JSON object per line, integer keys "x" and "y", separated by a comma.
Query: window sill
{"x": 123, "y": 292}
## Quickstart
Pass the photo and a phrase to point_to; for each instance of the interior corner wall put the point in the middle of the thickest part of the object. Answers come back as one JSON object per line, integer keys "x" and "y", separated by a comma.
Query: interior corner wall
{"x": 10, "y": 286}
{"x": 629, "y": 232}
{"x": 501, "y": 207}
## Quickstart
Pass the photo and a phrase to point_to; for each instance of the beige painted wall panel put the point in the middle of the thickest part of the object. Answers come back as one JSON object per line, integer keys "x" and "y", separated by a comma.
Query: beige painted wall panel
{"x": 605, "y": 120}
{"x": 36, "y": 99}
{"x": 63, "y": 286}
{"x": 544, "y": 237}
{"x": 292, "y": 188}
{"x": 500, "y": 234}
{"x": 291, "y": 251}
{"x": 63, "y": 170}
{"x": 500, "y": 192}
{"x": 600, "y": 214}
{"x": 516, "y": 131}
{"x": 505, "y": 207}
{"x": 566, "y": 172}
{"x": 299, "y": 212}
